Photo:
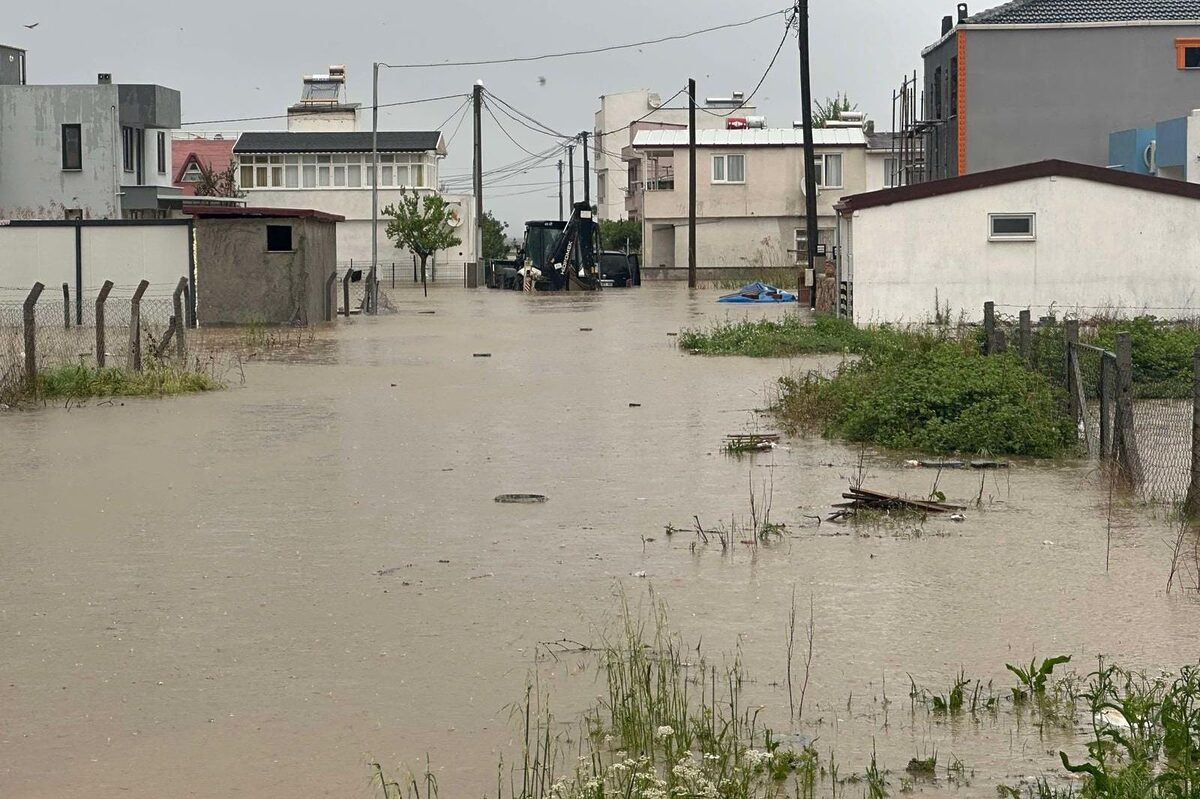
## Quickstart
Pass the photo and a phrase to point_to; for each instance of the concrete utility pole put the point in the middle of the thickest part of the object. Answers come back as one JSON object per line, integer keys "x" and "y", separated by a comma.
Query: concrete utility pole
{"x": 369, "y": 302}
{"x": 560, "y": 191}
{"x": 476, "y": 279}
{"x": 691, "y": 183}
{"x": 571, "y": 174}
{"x": 810, "y": 159}
{"x": 587, "y": 174}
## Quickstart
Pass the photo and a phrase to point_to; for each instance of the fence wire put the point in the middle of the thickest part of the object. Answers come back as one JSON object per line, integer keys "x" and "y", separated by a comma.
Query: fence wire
{"x": 1163, "y": 431}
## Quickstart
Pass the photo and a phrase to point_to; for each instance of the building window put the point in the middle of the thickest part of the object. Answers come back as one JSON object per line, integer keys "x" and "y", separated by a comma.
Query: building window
{"x": 336, "y": 171}
{"x": 1187, "y": 53}
{"x": 729, "y": 168}
{"x": 937, "y": 93}
{"x": 891, "y": 172}
{"x": 72, "y": 147}
{"x": 1011, "y": 227}
{"x": 162, "y": 152}
{"x": 954, "y": 86}
{"x": 829, "y": 170}
{"x": 127, "y": 148}
{"x": 191, "y": 174}
{"x": 279, "y": 238}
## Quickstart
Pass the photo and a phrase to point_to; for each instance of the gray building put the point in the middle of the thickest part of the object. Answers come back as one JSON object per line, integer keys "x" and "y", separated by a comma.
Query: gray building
{"x": 1037, "y": 79}
{"x": 99, "y": 151}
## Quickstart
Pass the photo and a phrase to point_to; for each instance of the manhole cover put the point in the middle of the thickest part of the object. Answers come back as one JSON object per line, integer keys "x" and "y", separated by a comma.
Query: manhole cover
{"x": 521, "y": 499}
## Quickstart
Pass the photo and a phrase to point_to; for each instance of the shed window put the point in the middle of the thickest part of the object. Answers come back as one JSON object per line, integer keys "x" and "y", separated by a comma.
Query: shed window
{"x": 1187, "y": 53}
{"x": 279, "y": 238}
{"x": 1011, "y": 227}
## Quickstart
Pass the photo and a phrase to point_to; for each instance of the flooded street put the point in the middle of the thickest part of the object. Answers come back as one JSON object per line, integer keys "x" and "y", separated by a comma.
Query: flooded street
{"x": 192, "y": 600}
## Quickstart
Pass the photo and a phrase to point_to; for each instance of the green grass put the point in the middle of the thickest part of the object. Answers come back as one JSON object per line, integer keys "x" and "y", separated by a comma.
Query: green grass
{"x": 82, "y": 382}
{"x": 787, "y": 336}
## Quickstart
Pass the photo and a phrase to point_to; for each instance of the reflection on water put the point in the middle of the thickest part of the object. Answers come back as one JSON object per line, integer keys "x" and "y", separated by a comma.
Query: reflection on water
{"x": 192, "y": 592}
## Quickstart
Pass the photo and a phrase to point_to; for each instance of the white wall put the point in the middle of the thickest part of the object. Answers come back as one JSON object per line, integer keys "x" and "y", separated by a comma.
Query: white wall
{"x": 1099, "y": 248}
{"x": 30, "y": 254}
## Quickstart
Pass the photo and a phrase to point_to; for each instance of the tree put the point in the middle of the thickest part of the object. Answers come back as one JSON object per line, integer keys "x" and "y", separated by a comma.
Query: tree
{"x": 421, "y": 224}
{"x": 831, "y": 109}
{"x": 217, "y": 183}
{"x": 495, "y": 243}
{"x": 617, "y": 234}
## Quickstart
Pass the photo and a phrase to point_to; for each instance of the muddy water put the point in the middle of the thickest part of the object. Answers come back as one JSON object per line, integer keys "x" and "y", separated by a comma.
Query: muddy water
{"x": 190, "y": 602}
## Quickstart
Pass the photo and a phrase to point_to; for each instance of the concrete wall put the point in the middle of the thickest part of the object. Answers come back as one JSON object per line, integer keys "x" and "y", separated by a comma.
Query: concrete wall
{"x": 33, "y": 184}
{"x": 239, "y": 282}
{"x": 941, "y": 141}
{"x": 1034, "y": 94}
{"x": 124, "y": 253}
{"x": 1098, "y": 247}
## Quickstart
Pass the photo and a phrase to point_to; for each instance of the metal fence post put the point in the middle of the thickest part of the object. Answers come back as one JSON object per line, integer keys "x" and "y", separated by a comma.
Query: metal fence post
{"x": 100, "y": 298}
{"x": 346, "y": 290}
{"x": 29, "y": 322}
{"x": 180, "y": 320}
{"x": 66, "y": 306}
{"x": 1106, "y": 401}
{"x": 1026, "y": 338}
{"x": 989, "y": 326}
{"x": 1127, "y": 452}
{"x": 1192, "y": 504}
{"x": 135, "y": 327}
{"x": 330, "y": 295}
{"x": 1070, "y": 339}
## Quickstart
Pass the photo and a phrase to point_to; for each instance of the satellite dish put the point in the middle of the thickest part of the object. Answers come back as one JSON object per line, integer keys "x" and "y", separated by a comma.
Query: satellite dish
{"x": 455, "y": 218}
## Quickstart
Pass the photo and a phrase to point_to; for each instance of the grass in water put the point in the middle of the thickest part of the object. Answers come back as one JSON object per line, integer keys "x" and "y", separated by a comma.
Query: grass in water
{"x": 790, "y": 335}
{"x": 82, "y": 382}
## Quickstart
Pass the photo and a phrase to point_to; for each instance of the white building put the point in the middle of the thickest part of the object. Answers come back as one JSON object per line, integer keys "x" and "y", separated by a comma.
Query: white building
{"x": 323, "y": 163}
{"x": 100, "y": 151}
{"x": 614, "y": 132}
{"x": 1047, "y": 235}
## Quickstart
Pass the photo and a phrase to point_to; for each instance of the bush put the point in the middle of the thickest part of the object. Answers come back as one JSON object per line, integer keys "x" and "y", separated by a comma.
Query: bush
{"x": 933, "y": 396}
{"x": 80, "y": 382}
{"x": 791, "y": 335}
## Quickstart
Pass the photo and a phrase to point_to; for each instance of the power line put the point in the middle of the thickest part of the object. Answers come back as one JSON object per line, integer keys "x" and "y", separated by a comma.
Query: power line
{"x": 315, "y": 113}
{"x": 455, "y": 113}
{"x": 593, "y": 51}
{"x": 786, "y": 32}
{"x": 488, "y": 108}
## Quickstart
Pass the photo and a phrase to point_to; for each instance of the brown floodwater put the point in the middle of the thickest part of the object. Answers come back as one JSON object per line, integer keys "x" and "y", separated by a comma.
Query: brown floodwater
{"x": 191, "y": 602}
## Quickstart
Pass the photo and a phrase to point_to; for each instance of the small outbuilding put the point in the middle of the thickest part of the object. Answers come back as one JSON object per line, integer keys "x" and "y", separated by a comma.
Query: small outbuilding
{"x": 270, "y": 266}
{"x": 1051, "y": 235}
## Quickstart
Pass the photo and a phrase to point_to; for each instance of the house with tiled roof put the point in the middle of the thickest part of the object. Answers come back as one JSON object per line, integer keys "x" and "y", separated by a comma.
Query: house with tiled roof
{"x": 1037, "y": 79}
{"x": 190, "y": 152}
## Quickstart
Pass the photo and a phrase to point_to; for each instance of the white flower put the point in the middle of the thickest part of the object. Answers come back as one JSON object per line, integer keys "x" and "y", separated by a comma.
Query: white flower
{"x": 665, "y": 731}
{"x": 757, "y": 757}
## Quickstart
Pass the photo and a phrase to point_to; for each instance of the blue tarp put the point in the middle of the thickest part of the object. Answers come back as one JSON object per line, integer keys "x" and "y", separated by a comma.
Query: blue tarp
{"x": 759, "y": 292}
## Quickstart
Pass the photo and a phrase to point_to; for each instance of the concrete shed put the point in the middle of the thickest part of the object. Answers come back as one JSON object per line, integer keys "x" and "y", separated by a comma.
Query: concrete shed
{"x": 1048, "y": 236}
{"x": 264, "y": 265}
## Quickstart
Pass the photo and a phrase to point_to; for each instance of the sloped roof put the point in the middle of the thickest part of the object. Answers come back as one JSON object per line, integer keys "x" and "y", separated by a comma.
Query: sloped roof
{"x": 753, "y": 137}
{"x": 225, "y": 212}
{"x": 1014, "y": 174}
{"x": 391, "y": 141}
{"x": 215, "y": 153}
{"x": 1035, "y": 12}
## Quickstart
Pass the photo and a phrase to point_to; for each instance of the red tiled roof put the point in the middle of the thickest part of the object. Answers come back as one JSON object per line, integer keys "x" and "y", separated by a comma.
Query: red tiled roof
{"x": 215, "y": 153}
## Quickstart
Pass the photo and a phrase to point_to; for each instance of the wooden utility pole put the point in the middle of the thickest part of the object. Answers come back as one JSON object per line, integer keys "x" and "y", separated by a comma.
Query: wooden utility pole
{"x": 474, "y": 280}
{"x": 810, "y": 158}
{"x": 560, "y": 190}
{"x": 587, "y": 170}
{"x": 691, "y": 183}
{"x": 571, "y": 176}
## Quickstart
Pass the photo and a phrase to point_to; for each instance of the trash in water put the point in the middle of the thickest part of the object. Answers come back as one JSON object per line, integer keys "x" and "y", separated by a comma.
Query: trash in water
{"x": 940, "y": 464}
{"x": 635, "y": 405}
{"x": 521, "y": 499}
{"x": 483, "y": 355}
{"x": 759, "y": 292}
{"x": 585, "y": 330}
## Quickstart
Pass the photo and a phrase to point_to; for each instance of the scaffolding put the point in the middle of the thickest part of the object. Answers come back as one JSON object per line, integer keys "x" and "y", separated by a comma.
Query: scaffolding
{"x": 912, "y": 135}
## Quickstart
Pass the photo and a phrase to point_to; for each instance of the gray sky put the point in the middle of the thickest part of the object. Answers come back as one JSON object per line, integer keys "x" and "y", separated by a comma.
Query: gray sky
{"x": 246, "y": 59}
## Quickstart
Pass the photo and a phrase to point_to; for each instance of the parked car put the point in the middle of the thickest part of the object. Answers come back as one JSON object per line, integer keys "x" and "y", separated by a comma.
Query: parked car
{"x": 619, "y": 270}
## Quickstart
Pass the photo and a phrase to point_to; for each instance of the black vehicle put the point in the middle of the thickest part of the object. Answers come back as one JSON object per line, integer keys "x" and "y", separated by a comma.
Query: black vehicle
{"x": 564, "y": 253}
{"x": 619, "y": 270}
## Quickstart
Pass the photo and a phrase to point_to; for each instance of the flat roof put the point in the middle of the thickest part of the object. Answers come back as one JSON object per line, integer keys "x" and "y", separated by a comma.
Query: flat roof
{"x": 1014, "y": 174}
{"x": 390, "y": 141}
{"x": 209, "y": 211}
{"x": 751, "y": 137}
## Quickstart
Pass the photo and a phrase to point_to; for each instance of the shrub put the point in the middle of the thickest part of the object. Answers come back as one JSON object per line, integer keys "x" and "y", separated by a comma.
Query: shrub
{"x": 790, "y": 335}
{"x": 79, "y": 382}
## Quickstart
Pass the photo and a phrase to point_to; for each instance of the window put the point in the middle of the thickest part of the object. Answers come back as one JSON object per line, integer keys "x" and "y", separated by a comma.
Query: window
{"x": 954, "y": 86}
{"x": 127, "y": 138}
{"x": 72, "y": 147}
{"x": 1187, "y": 53}
{"x": 891, "y": 172}
{"x": 191, "y": 174}
{"x": 1011, "y": 227}
{"x": 279, "y": 238}
{"x": 729, "y": 168}
{"x": 937, "y": 93}
{"x": 829, "y": 170}
{"x": 162, "y": 152}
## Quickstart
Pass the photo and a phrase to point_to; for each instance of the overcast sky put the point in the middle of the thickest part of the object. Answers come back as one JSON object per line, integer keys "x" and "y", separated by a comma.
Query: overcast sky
{"x": 246, "y": 59}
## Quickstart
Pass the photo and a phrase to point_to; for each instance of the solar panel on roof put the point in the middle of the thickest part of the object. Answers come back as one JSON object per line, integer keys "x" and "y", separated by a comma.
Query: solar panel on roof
{"x": 321, "y": 93}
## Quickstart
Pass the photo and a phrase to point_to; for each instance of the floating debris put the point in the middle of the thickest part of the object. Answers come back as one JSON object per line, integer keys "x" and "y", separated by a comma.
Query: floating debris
{"x": 865, "y": 499}
{"x": 750, "y": 442}
{"x": 521, "y": 499}
{"x": 940, "y": 464}
{"x": 635, "y": 405}
{"x": 585, "y": 330}
{"x": 483, "y": 355}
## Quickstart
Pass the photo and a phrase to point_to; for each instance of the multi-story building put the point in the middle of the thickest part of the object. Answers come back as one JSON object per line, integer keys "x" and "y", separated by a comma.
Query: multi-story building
{"x": 191, "y": 151}
{"x": 99, "y": 151}
{"x": 323, "y": 162}
{"x": 1170, "y": 149}
{"x": 749, "y": 195}
{"x": 1038, "y": 79}
{"x": 620, "y": 115}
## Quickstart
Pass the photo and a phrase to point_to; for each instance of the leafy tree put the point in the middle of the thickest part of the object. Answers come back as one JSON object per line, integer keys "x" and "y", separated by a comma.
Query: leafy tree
{"x": 495, "y": 243}
{"x": 831, "y": 109}
{"x": 421, "y": 224}
{"x": 218, "y": 183}
{"x": 615, "y": 234}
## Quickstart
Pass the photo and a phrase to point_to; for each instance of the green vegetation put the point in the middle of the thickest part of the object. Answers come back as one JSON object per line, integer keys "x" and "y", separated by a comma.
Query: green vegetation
{"x": 422, "y": 224}
{"x": 787, "y": 336}
{"x": 82, "y": 382}
{"x": 617, "y": 234}
{"x": 495, "y": 243}
{"x": 1033, "y": 679}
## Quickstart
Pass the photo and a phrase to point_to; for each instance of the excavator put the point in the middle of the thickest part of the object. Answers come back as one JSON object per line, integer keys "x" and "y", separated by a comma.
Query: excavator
{"x": 556, "y": 256}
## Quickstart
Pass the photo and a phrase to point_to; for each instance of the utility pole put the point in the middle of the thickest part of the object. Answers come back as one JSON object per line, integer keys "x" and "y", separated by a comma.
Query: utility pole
{"x": 810, "y": 160}
{"x": 474, "y": 279}
{"x": 571, "y": 174}
{"x": 691, "y": 183}
{"x": 371, "y": 299}
{"x": 587, "y": 174}
{"x": 560, "y": 189}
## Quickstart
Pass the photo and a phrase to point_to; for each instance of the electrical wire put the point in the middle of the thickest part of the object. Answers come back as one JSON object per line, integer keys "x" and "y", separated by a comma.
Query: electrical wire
{"x": 455, "y": 113}
{"x": 504, "y": 130}
{"x": 592, "y": 51}
{"x": 786, "y": 33}
{"x": 316, "y": 113}
{"x": 458, "y": 125}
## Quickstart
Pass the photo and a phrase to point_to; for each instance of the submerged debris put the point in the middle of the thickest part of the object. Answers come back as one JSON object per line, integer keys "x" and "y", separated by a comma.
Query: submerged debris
{"x": 865, "y": 499}
{"x": 750, "y": 442}
{"x": 521, "y": 499}
{"x": 942, "y": 464}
